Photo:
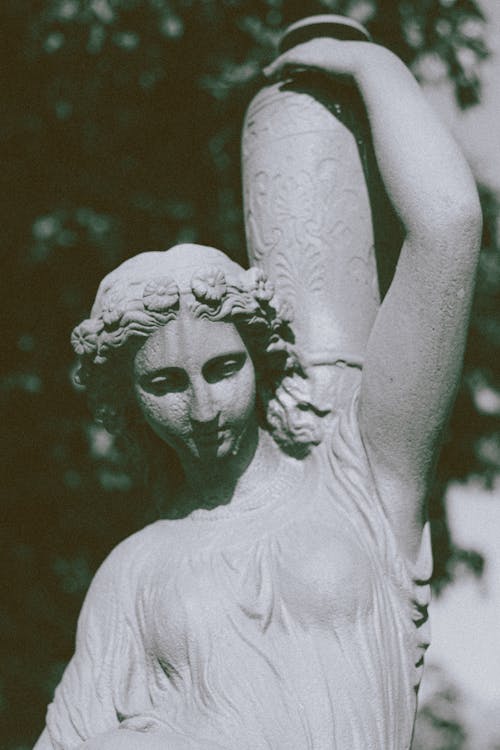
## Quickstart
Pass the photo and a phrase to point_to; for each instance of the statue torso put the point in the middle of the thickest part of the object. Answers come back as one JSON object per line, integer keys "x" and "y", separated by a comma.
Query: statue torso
{"x": 283, "y": 623}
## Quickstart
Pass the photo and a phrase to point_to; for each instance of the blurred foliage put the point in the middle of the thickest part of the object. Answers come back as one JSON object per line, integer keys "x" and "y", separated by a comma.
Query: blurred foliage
{"x": 120, "y": 132}
{"x": 440, "y": 720}
{"x": 447, "y": 720}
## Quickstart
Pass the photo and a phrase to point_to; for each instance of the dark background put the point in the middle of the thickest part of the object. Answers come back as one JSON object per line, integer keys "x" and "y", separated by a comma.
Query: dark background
{"x": 120, "y": 126}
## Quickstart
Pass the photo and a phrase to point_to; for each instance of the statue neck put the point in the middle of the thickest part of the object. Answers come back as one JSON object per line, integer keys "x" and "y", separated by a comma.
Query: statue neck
{"x": 225, "y": 482}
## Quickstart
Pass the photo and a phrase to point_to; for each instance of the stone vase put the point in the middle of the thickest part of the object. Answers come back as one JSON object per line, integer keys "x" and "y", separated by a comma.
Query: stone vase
{"x": 314, "y": 205}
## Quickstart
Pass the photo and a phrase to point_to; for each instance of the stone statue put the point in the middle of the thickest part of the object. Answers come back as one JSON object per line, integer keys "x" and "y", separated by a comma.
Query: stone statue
{"x": 282, "y": 602}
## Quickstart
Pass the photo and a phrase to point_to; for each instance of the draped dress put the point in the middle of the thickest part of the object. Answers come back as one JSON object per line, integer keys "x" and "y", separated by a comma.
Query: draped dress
{"x": 291, "y": 621}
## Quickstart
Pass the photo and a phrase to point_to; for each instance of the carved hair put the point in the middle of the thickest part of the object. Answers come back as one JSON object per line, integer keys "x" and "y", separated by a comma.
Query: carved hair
{"x": 145, "y": 293}
{"x": 130, "y": 310}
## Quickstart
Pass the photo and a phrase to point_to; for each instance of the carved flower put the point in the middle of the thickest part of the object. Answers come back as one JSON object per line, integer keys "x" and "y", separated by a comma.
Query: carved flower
{"x": 285, "y": 311}
{"x": 209, "y": 285}
{"x": 160, "y": 295}
{"x": 114, "y": 307}
{"x": 84, "y": 338}
{"x": 258, "y": 284}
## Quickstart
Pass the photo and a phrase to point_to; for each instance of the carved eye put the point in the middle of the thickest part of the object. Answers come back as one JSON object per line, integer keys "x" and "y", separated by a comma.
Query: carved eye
{"x": 170, "y": 381}
{"x": 223, "y": 367}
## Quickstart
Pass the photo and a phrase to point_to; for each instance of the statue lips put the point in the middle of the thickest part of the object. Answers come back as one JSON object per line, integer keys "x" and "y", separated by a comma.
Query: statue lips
{"x": 209, "y": 437}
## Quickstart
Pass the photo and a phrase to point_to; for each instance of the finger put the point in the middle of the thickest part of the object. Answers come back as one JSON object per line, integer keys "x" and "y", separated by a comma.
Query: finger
{"x": 306, "y": 56}
{"x": 288, "y": 63}
{"x": 276, "y": 66}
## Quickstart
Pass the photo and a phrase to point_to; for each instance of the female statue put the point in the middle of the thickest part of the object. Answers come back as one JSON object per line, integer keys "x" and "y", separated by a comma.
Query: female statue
{"x": 283, "y": 602}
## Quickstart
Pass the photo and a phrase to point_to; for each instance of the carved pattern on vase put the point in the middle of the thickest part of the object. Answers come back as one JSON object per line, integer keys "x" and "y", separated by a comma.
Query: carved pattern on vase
{"x": 306, "y": 205}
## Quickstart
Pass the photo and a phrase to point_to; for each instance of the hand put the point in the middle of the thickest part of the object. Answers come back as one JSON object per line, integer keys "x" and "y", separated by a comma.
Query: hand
{"x": 338, "y": 58}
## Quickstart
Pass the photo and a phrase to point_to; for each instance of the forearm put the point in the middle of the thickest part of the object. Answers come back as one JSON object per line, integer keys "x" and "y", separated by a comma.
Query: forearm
{"x": 425, "y": 175}
{"x": 424, "y": 172}
{"x": 414, "y": 352}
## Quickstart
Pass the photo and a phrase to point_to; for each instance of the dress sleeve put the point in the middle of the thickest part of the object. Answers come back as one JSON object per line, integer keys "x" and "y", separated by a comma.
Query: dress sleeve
{"x": 355, "y": 491}
{"x": 83, "y": 704}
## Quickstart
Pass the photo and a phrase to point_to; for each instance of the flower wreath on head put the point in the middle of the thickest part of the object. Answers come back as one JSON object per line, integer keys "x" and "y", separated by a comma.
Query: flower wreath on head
{"x": 135, "y": 309}
{"x": 138, "y": 308}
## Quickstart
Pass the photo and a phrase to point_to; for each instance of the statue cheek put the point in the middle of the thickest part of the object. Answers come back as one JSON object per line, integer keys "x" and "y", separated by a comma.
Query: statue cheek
{"x": 240, "y": 398}
{"x": 174, "y": 417}
{"x": 166, "y": 415}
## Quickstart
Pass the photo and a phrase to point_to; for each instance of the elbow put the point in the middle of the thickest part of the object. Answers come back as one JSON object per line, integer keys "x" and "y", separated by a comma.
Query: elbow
{"x": 459, "y": 213}
{"x": 455, "y": 223}
{"x": 464, "y": 228}
{"x": 467, "y": 231}
{"x": 467, "y": 216}
{"x": 462, "y": 209}
{"x": 456, "y": 204}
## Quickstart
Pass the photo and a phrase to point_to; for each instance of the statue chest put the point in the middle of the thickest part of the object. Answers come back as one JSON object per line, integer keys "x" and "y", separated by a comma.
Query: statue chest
{"x": 310, "y": 575}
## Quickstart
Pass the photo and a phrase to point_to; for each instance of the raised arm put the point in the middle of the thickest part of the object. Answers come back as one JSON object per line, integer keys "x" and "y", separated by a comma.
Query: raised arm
{"x": 415, "y": 351}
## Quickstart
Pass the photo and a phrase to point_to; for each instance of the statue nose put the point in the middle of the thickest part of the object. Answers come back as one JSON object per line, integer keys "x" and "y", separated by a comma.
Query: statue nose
{"x": 204, "y": 410}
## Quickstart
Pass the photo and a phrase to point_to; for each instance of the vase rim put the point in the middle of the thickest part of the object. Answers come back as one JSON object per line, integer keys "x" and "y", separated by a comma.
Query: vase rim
{"x": 328, "y": 24}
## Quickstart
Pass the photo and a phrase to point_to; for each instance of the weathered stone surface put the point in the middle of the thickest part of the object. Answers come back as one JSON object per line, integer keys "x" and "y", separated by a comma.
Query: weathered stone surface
{"x": 282, "y": 601}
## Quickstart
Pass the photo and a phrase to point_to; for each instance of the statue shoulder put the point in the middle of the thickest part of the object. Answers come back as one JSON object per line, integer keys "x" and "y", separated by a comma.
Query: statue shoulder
{"x": 131, "y": 559}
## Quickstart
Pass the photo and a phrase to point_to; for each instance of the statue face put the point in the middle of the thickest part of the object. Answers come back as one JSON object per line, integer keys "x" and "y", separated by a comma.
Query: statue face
{"x": 194, "y": 382}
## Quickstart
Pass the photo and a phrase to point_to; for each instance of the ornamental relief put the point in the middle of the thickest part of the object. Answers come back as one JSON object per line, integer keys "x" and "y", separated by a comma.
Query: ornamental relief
{"x": 278, "y": 113}
{"x": 308, "y": 216}
{"x": 295, "y": 220}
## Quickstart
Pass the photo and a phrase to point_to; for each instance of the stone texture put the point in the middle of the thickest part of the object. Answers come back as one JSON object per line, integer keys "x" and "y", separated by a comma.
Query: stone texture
{"x": 282, "y": 603}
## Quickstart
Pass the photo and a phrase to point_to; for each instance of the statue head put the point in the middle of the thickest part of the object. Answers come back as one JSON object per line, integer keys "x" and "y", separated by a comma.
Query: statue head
{"x": 156, "y": 299}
